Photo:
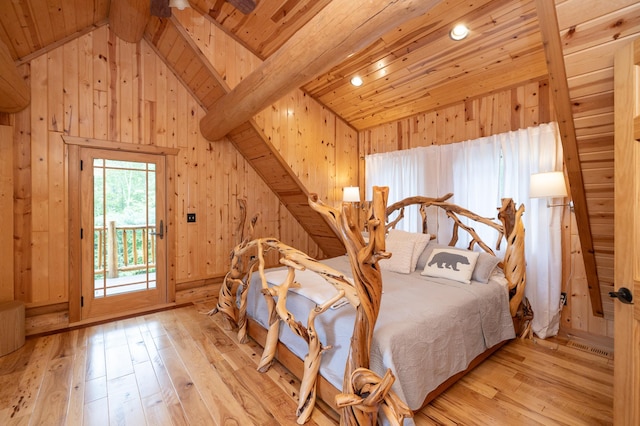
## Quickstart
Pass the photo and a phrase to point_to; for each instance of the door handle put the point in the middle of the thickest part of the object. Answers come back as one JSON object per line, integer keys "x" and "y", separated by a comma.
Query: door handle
{"x": 623, "y": 294}
{"x": 161, "y": 233}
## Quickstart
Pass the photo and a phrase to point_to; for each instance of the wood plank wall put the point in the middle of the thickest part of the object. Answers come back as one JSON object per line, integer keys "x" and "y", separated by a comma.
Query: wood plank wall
{"x": 591, "y": 31}
{"x": 320, "y": 148}
{"x": 577, "y": 315}
{"x": 97, "y": 86}
{"x": 520, "y": 107}
{"x": 6, "y": 212}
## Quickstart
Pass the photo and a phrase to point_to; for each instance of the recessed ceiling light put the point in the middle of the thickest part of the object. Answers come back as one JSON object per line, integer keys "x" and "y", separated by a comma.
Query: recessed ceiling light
{"x": 459, "y": 32}
{"x": 356, "y": 81}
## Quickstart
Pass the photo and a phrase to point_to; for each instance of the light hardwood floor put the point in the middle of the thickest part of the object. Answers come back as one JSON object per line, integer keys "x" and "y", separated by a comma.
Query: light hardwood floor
{"x": 180, "y": 367}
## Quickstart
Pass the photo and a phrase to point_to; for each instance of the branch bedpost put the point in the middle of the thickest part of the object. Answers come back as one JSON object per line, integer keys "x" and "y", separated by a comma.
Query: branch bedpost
{"x": 226, "y": 301}
{"x": 515, "y": 257}
{"x": 363, "y": 391}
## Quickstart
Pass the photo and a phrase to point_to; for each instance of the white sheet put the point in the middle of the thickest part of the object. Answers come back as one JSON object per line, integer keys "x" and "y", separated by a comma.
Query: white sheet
{"x": 427, "y": 330}
{"x": 315, "y": 287}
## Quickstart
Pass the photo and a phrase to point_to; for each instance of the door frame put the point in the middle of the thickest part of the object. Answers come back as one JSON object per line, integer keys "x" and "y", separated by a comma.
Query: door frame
{"x": 92, "y": 306}
{"x": 73, "y": 146}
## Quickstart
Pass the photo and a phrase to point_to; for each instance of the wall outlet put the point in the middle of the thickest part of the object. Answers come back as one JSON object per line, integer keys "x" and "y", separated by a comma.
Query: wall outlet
{"x": 191, "y": 217}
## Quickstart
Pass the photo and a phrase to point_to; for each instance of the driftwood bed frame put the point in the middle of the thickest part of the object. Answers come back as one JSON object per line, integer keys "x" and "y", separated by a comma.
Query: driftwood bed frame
{"x": 364, "y": 394}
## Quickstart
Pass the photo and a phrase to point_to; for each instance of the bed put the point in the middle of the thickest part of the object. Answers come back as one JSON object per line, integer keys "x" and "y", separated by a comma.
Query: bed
{"x": 389, "y": 325}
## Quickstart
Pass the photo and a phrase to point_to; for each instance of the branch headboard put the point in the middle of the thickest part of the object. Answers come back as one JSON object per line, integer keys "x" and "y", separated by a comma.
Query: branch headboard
{"x": 509, "y": 226}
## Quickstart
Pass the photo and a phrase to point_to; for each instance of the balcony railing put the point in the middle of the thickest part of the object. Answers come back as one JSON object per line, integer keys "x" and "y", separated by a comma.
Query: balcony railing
{"x": 120, "y": 249}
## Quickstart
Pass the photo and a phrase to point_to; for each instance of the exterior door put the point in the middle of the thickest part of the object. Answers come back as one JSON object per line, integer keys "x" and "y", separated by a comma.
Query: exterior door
{"x": 123, "y": 250}
{"x": 627, "y": 235}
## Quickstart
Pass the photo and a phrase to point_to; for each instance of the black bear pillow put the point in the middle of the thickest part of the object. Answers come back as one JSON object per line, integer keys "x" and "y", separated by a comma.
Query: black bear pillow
{"x": 453, "y": 264}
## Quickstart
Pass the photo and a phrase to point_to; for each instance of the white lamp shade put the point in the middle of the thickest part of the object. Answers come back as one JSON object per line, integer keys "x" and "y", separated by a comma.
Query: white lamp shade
{"x": 550, "y": 184}
{"x": 351, "y": 194}
{"x": 179, "y": 4}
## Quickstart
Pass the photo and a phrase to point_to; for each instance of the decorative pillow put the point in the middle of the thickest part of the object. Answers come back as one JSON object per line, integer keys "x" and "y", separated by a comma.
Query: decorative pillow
{"x": 420, "y": 240}
{"x": 400, "y": 260}
{"x": 424, "y": 256}
{"x": 451, "y": 263}
{"x": 484, "y": 267}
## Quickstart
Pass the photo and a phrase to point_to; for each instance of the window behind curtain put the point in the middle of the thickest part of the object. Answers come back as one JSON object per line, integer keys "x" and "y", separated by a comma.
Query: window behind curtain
{"x": 479, "y": 173}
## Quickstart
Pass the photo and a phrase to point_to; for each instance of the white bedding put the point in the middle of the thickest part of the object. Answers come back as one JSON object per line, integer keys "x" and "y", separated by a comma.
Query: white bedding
{"x": 428, "y": 329}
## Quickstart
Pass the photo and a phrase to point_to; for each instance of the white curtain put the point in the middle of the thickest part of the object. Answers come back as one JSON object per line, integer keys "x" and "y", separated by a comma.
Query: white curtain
{"x": 407, "y": 173}
{"x": 528, "y": 151}
{"x": 479, "y": 173}
{"x": 473, "y": 171}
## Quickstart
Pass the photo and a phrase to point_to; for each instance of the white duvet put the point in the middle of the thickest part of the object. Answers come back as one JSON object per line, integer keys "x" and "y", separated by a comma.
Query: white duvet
{"x": 428, "y": 329}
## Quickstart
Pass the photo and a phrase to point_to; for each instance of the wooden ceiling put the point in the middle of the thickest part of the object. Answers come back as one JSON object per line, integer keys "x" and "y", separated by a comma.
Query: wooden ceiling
{"x": 413, "y": 68}
{"x": 418, "y": 67}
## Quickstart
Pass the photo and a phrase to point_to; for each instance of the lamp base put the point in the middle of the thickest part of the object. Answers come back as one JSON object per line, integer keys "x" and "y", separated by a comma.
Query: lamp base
{"x": 570, "y": 204}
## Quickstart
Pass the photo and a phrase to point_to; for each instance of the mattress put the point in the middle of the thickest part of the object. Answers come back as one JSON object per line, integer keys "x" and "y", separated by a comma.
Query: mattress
{"x": 428, "y": 329}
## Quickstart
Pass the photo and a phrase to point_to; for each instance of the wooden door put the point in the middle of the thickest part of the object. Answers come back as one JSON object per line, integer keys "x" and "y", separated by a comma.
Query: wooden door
{"x": 123, "y": 254}
{"x": 627, "y": 235}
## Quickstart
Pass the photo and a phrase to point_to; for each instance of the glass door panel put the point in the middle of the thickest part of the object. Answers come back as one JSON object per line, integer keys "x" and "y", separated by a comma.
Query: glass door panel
{"x": 124, "y": 220}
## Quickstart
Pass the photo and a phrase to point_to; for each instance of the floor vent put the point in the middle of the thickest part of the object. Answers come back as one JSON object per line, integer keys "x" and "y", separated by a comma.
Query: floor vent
{"x": 591, "y": 349}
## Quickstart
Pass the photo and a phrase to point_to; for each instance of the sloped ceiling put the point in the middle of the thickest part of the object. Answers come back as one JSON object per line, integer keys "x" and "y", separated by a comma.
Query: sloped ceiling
{"x": 413, "y": 68}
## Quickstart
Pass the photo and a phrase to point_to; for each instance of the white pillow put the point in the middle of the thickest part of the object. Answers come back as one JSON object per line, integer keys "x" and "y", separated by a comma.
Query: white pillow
{"x": 420, "y": 243}
{"x": 401, "y": 252}
{"x": 484, "y": 267}
{"x": 451, "y": 264}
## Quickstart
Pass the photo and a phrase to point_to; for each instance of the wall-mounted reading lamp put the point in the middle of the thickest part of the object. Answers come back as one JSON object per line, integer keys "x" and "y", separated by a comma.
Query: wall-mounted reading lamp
{"x": 549, "y": 185}
{"x": 351, "y": 194}
{"x": 179, "y": 4}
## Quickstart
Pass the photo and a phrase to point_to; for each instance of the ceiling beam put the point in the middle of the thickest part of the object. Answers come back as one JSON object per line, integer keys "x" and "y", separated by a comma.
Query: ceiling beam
{"x": 342, "y": 28}
{"x": 560, "y": 92}
{"x": 14, "y": 91}
{"x": 128, "y": 18}
{"x": 163, "y": 36}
